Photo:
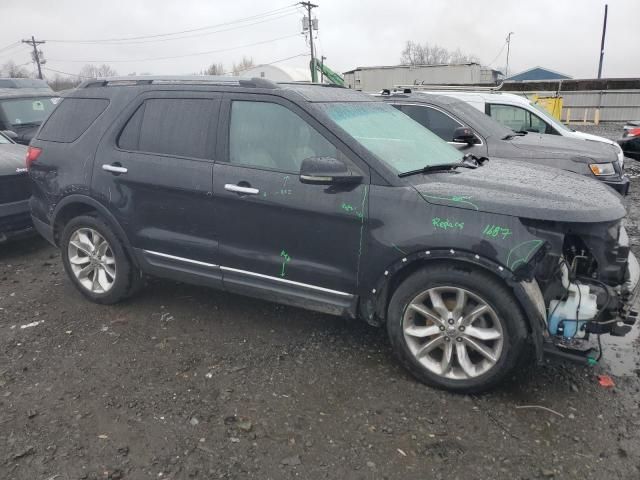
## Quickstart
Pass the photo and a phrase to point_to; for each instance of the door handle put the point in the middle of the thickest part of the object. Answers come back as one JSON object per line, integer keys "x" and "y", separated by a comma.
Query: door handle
{"x": 114, "y": 168}
{"x": 238, "y": 189}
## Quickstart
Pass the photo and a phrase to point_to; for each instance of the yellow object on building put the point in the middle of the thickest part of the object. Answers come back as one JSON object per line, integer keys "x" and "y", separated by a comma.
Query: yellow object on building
{"x": 553, "y": 105}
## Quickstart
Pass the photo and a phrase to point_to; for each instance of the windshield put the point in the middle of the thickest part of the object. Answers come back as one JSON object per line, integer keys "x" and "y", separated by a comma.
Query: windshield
{"x": 27, "y": 110}
{"x": 3, "y": 139}
{"x": 552, "y": 120}
{"x": 393, "y": 137}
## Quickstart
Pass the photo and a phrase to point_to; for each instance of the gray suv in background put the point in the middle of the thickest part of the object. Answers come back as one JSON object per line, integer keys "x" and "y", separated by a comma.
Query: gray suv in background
{"x": 463, "y": 126}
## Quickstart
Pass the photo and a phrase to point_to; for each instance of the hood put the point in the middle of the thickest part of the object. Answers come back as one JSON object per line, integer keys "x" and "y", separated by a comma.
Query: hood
{"x": 11, "y": 158}
{"x": 589, "y": 136}
{"x": 556, "y": 146}
{"x": 516, "y": 189}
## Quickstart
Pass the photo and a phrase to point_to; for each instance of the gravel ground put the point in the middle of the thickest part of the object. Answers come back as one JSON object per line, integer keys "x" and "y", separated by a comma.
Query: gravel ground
{"x": 186, "y": 382}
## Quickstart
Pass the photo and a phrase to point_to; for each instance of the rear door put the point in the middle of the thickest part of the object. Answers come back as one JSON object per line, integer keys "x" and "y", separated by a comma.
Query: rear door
{"x": 280, "y": 238}
{"x": 154, "y": 172}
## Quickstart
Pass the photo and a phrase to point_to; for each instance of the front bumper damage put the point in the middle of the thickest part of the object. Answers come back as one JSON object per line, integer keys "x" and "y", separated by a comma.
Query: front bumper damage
{"x": 599, "y": 266}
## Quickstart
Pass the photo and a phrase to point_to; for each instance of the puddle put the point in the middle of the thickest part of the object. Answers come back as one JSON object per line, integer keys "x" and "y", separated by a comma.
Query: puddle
{"x": 621, "y": 356}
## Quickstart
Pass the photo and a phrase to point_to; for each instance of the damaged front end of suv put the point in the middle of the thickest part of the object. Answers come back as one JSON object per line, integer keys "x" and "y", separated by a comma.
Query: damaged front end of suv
{"x": 588, "y": 280}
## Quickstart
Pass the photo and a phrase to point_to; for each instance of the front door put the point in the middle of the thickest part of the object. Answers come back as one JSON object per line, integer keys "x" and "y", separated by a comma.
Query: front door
{"x": 279, "y": 238}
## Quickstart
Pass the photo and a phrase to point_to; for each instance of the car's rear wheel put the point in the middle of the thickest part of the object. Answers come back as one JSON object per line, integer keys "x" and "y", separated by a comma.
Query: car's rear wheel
{"x": 456, "y": 328}
{"x": 96, "y": 261}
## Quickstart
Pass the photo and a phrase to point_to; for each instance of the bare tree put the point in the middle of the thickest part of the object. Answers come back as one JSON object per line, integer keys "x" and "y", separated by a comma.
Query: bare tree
{"x": 63, "y": 83}
{"x": 214, "y": 69}
{"x": 428, "y": 54}
{"x": 245, "y": 64}
{"x": 97, "y": 71}
{"x": 11, "y": 70}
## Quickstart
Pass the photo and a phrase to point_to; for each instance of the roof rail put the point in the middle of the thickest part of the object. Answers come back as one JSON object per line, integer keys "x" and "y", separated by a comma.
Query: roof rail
{"x": 455, "y": 88}
{"x": 179, "y": 80}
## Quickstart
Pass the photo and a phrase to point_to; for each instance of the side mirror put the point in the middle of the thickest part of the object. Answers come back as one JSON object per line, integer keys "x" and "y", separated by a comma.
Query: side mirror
{"x": 326, "y": 171}
{"x": 464, "y": 135}
{"x": 10, "y": 133}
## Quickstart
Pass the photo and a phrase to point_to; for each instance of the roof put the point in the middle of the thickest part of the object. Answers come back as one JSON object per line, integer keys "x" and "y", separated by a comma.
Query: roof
{"x": 383, "y": 67}
{"x": 316, "y": 92}
{"x": 26, "y": 93}
{"x": 32, "y": 83}
{"x": 538, "y": 73}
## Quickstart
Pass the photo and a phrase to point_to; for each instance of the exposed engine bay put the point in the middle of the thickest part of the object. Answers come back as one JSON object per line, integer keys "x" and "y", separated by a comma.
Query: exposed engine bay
{"x": 589, "y": 281}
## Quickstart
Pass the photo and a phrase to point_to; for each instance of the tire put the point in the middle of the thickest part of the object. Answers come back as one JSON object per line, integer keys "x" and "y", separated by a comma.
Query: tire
{"x": 119, "y": 279}
{"x": 417, "y": 338}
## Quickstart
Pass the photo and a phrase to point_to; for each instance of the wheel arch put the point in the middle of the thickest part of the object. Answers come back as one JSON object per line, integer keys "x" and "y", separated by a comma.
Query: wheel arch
{"x": 374, "y": 304}
{"x": 76, "y": 205}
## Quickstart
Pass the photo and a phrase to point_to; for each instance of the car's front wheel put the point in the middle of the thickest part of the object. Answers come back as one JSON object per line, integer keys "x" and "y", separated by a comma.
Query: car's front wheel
{"x": 95, "y": 260}
{"x": 456, "y": 328}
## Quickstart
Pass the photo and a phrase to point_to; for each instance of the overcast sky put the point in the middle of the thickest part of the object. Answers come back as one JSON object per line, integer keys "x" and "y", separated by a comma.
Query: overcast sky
{"x": 563, "y": 35}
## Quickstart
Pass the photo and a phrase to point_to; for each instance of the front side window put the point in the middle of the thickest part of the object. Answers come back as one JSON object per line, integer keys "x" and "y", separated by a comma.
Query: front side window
{"x": 268, "y": 135}
{"x": 438, "y": 122}
{"x": 27, "y": 111}
{"x": 517, "y": 119}
{"x": 171, "y": 126}
{"x": 397, "y": 140}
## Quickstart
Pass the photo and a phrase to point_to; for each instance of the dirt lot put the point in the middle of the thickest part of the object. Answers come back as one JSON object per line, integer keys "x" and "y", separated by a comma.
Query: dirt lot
{"x": 185, "y": 382}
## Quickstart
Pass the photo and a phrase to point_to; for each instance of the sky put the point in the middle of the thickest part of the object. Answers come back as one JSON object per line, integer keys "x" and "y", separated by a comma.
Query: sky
{"x": 563, "y": 35}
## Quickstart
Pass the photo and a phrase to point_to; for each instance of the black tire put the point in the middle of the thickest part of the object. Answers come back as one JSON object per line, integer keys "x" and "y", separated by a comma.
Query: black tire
{"x": 128, "y": 278}
{"x": 488, "y": 288}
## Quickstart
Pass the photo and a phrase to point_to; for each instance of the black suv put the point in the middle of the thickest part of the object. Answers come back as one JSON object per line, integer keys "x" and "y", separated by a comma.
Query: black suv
{"x": 331, "y": 200}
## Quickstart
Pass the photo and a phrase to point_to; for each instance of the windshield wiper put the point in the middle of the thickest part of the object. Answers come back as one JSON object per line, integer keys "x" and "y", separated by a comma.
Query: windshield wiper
{"x": 466, "y": 162}
{"x": 27, "y": 124}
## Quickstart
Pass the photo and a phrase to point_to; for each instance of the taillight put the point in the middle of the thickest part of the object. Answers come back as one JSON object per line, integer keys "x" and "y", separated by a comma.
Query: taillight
{"x": 634, "y": 132}
{"x": 32, "y": 155}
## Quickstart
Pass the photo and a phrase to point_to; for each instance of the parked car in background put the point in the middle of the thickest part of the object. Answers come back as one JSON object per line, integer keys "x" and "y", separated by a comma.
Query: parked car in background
{"x": 522, "y": 115}
{"x": 331, "y": 200}
{"x": 630, "y": 141}
{"x": 457, "y": 122}
{"x": 24, "y": 104}
{"x": 15, "y": 219}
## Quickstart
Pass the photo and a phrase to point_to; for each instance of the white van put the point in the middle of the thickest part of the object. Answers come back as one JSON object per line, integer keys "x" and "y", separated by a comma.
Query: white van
{"x": 520, "y": 114}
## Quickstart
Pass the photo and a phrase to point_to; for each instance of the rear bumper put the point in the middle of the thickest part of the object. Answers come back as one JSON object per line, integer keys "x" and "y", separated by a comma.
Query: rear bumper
{"x": 44, "y": 229}
{"x": 15, "y": 220}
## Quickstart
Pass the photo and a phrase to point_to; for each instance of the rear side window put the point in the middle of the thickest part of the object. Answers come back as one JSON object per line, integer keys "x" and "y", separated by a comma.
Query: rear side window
{"x": 171, "y": 126}
{"x": 72, "y": 118}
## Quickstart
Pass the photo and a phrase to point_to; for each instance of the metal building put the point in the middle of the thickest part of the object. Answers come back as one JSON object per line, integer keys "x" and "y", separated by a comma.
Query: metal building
{"x": 374, "y": 79}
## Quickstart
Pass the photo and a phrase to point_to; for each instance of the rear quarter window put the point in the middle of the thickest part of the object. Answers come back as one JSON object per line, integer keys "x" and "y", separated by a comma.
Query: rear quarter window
{"x": 72, "y": 118}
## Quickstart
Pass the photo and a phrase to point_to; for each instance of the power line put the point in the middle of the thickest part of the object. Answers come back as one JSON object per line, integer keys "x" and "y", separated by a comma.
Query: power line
{"x": 10, "y": 46}
{"x": 181, "y": 56}
{"x": 499, "y": 53}
{"x": 124, "y": 39}
{"x": 137, "y": 42}
{"x": 64, "y": 73}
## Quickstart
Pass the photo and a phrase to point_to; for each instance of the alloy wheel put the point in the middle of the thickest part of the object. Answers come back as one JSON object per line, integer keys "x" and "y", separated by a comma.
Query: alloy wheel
{"x": 92, "y": 260}
{"x": 453, "y": 333}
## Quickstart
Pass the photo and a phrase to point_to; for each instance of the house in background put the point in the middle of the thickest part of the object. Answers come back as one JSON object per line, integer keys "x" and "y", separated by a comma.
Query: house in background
{"x": 278, "y": 73}
{"x": 537, "y": 73}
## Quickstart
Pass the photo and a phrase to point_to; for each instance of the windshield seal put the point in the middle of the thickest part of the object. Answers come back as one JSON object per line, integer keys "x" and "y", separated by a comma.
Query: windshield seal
{"x": 389, "y": 135}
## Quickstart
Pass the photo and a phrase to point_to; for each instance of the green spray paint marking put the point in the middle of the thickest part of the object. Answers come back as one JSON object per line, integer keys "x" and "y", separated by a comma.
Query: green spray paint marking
{"x": 522, "y": 252}
{"x": 446, "y": 224}
{"x": 347, "y": 207}
{"x": 495, "y": 231}
{"x": 286, "y": 259}
{"x": 455, "y": 199}
{"x": 361, "y": 216}
{"x": 398, "y": 249}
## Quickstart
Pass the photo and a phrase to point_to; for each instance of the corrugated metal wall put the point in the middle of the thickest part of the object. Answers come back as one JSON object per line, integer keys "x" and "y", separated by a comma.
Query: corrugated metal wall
{"x": 614, "y": 105}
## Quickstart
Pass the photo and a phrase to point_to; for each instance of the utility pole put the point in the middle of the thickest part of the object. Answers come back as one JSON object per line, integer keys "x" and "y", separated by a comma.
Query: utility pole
{"x": 604, "y": 33}
{"x": 309, "y": 6}
{"x": 322, "y": 59}
{"x": 506, "y": 70}
{"x": 36, "y": 53}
